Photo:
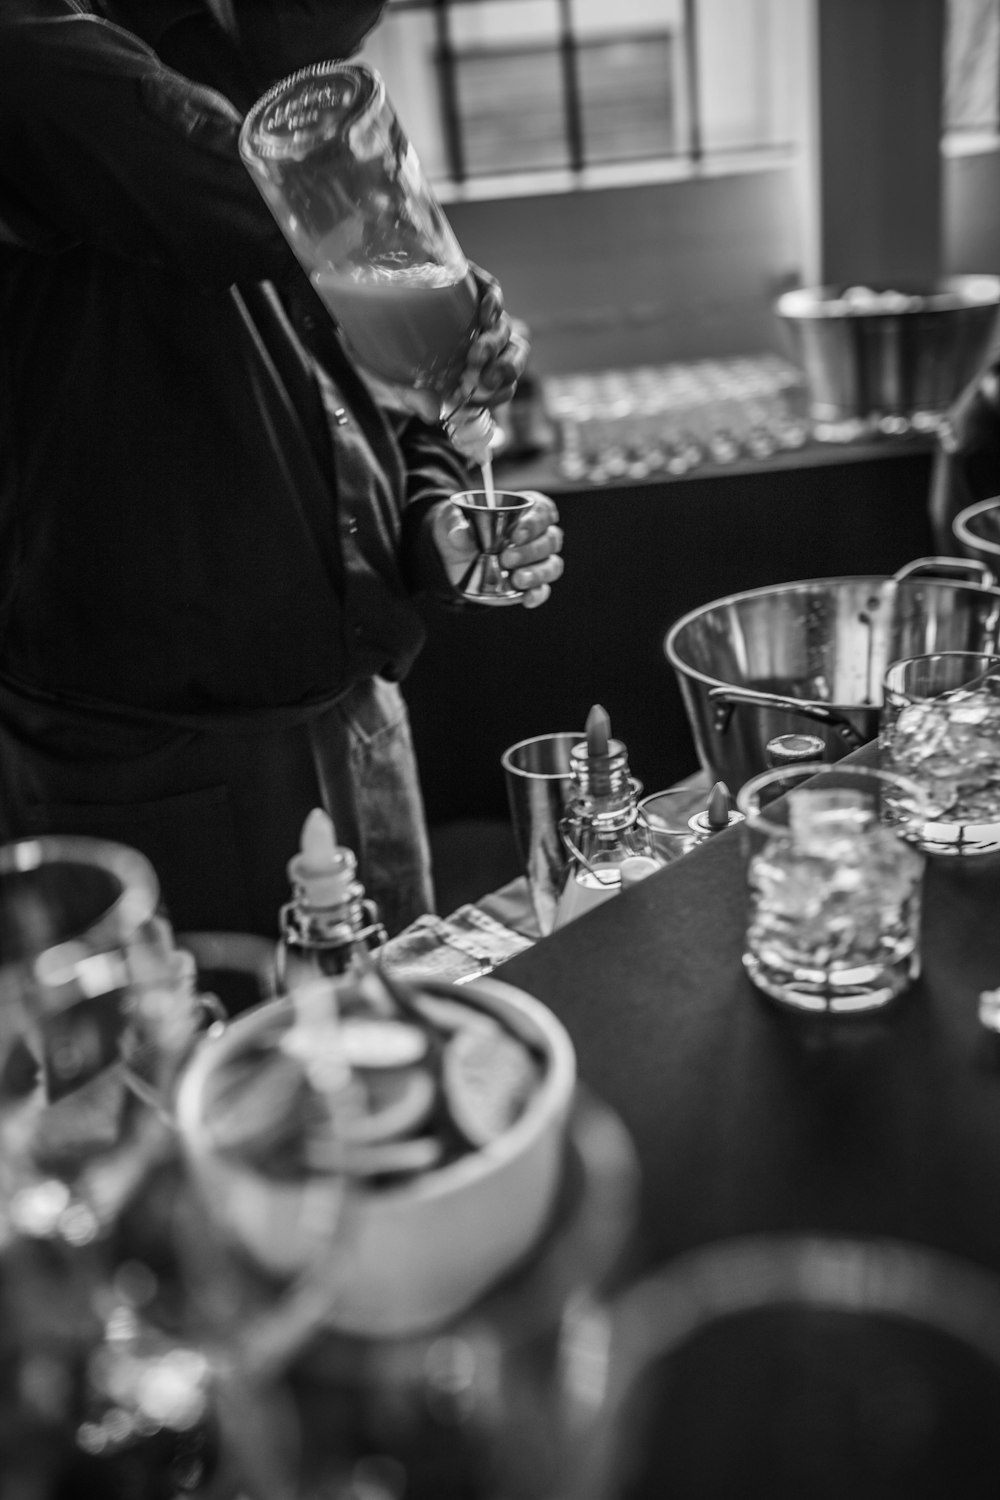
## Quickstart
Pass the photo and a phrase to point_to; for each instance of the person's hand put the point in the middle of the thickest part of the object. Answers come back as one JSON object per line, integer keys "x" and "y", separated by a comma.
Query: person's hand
{"x": 497, "y": 356}
{"x": 495, "y": 361}
{"x": 533, "y": 559}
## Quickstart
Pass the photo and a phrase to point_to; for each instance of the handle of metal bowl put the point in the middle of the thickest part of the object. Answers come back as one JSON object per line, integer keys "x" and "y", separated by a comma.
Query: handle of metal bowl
{"x": 725, "y": 700}
{"x": 157, "y": 1046}
{"x": 238, "y": 954}
{"x": 964, "y": 566}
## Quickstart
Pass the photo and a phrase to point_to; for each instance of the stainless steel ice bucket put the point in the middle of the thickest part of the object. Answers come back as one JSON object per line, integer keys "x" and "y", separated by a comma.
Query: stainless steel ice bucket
{"x": 889, "y": 360}
{"x": 775, "y": 660}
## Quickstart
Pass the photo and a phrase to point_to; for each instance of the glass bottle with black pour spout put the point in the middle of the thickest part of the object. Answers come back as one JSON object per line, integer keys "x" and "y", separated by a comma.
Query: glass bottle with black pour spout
{"x": 333, "y": 164}
{"x": 604, "y": 830}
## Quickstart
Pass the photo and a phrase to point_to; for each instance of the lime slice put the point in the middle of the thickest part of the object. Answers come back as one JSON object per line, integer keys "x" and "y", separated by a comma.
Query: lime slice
{"x": 381, "y": 1159}
{"x": 488, "y": 1078}
{"x": 258, "y": 1102}
{"x": 397, "y": 1102}
{"x": 382, "y": 1043}
{"x": 453, "y": 1015}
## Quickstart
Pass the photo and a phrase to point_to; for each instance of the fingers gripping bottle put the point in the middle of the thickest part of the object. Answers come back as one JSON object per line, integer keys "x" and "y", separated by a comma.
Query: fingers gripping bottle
{"x": 603, "y": 828}
{"x": 329, "y": 920}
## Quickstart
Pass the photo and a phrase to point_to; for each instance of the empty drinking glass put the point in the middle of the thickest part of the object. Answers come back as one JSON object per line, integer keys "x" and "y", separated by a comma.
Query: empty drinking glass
{"x": 539, "y": 789}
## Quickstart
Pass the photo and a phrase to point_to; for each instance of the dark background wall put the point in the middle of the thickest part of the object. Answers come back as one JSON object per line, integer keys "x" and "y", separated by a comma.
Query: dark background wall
{"x": 681, "y": 270}
{"x": 631, "y": 275}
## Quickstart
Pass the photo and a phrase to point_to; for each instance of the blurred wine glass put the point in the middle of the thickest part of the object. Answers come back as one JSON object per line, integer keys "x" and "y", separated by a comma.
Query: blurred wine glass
{"x": 793, "y": 1364}
{"x": 468, "y": 1408}
{"x": 101, "y": 1388}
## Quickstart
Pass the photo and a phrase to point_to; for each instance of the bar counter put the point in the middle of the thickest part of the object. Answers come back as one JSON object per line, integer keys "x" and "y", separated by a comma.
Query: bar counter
{"x": 749, "y": 1125}
{"x": 748, "y": 1118}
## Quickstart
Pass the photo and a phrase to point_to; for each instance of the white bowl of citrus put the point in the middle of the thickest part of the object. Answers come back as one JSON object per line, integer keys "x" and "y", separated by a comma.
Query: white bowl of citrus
{"x": 409, "y": 1157}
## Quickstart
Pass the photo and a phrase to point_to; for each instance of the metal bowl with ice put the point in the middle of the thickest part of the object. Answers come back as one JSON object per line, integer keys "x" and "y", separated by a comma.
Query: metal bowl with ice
{"x": 889, "y": 359}
{"x": 812, "y": 654}
{"x": 413, "y": 1159}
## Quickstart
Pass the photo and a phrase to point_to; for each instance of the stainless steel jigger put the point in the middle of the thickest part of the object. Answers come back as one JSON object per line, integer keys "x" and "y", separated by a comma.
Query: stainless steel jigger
{"x": 492, "y": 519}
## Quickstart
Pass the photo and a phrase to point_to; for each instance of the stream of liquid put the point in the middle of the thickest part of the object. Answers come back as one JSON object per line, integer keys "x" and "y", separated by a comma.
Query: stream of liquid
{"x": 488, "y": 486}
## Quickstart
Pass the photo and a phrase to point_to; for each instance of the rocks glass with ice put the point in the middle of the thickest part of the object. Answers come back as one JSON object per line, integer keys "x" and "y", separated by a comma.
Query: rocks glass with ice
{"x": 834, "y": 884}
{"x": 940, "y": 725}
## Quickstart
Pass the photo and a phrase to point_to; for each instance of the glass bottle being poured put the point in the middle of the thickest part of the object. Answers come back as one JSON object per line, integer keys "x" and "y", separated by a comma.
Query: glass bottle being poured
{"x": 603, "y": 829}
{"x": 336, "y": 169}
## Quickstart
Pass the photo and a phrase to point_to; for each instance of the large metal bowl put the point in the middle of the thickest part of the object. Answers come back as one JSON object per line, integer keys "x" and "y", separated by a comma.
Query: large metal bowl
{"x": 813, "y": 654}
{"x": 889, "y": 360}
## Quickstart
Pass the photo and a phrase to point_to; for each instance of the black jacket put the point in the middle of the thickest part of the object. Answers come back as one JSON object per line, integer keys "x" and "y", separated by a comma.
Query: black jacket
{"x": 202, "y": 509}
{"x": 967, "y": 463}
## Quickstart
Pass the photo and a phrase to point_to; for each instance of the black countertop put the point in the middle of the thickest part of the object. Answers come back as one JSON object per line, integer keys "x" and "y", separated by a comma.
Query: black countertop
{"x": 796, "y": 1171}
{"x": 748, "y": 1118}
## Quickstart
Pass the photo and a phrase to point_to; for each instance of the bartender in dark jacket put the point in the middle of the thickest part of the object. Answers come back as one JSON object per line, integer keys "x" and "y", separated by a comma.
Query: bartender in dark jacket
{"x": 211, "y": 533}
{"x": 967, "y": 464}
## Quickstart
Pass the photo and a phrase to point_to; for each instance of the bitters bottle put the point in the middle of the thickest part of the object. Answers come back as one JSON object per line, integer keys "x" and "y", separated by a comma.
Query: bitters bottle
{"x": 603, "y": 826}
{"x": 329, "y": 921}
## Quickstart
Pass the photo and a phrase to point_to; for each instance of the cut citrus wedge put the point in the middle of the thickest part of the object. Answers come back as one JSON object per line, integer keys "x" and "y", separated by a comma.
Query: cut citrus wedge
{"x": 380, "y": 1159}
{"x": 453, "y": 1015}
{"x": 258, "y": 1101}
{"x": 397, "y": 1103}
{"x": 488, "y": 1076}
{"x": 382, "y": 1043}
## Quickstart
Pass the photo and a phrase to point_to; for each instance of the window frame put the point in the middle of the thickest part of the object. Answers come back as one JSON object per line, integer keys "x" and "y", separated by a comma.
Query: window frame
{"x": 688, "y": 155}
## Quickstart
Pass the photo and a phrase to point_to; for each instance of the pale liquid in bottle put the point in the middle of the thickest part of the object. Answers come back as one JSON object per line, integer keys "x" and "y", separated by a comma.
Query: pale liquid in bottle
{"x": 411, "y": 326}
{"x": 583, "y": 891}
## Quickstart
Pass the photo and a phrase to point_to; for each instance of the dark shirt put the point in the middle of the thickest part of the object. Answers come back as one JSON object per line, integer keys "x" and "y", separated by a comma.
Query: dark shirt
{"x": 967, "y": 461}
{"x": 192, "y": 522}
